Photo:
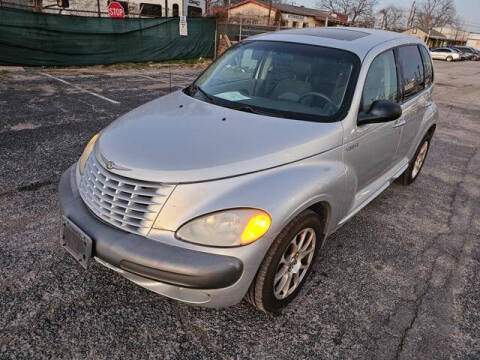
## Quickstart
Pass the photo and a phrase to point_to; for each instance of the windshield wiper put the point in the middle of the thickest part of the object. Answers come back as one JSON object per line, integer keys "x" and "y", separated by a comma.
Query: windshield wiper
{"x": 195, "y": 88}
{"x": 252, "y": 110}
{"x": 246, "y": 108}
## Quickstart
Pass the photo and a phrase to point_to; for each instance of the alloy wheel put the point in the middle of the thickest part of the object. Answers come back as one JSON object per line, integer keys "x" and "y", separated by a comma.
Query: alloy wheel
{"x": 420, "y": 159}
{"x": 294, "y": 263}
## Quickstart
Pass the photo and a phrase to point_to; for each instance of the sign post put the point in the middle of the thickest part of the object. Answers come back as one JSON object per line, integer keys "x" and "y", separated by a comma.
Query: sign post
{"x": 183, "y": 26}
{"x": 115, "y": 10}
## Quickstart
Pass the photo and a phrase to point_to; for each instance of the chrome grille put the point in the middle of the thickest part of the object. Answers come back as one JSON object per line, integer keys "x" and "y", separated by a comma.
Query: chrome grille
{"x": 132, "y": 205}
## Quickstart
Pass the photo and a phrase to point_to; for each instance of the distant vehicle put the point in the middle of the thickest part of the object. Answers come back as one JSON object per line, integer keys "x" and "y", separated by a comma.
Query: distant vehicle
{"x": 446, "y": 54}
{"x": 465, "y": 54}
{"x": 473, "y": 53}
{"x": 229, "y": 188}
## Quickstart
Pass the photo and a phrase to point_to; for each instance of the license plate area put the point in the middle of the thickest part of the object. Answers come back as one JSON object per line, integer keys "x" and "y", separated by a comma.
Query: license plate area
{"x": 76, "y": 242}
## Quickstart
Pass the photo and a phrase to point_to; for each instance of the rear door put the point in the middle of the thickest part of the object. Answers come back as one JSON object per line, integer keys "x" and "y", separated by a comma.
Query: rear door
{"x": 415, "y": 99}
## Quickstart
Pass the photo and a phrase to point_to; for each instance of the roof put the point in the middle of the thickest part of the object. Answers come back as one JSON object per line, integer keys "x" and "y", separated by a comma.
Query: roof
{"x": 319, "y": 14}
{"x": 301, "y": 10}
{"x": 330, "y": 33}
{"x": 289, "y": 9}
{"x": 259, "y": 3}
{"x": 357, "y": 40}
{"x": 474, "y": 36}
{"x": 433, "y": 33}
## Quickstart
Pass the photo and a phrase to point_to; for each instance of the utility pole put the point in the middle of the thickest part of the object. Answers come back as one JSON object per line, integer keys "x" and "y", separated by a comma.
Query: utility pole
{"x": 269, "y": 11}
{"x": 429, "y": 30}
{"x": 228, "y": 11}
{"x": 411, "y": 15}
{"x": 384, "y": 12}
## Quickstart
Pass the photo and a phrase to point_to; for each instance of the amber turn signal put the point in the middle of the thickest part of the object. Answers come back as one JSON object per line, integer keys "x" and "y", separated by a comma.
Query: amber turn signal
{"x": 256, "y": 228}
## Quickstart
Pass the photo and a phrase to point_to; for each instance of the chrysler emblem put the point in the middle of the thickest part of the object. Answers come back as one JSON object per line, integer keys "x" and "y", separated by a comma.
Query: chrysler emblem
{"x": 109, "y": 164}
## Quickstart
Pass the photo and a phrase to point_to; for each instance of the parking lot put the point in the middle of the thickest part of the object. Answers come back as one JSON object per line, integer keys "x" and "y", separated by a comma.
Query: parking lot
{"x": 400, "y": 280}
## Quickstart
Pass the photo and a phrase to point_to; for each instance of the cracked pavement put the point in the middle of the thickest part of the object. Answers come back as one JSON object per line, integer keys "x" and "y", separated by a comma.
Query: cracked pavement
{"x": 400, "y": 280}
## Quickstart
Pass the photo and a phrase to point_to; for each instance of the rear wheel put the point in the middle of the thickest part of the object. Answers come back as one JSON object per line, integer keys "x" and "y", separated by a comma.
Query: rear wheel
{"x": 449, "y": 58}
{"x": 416, "y": 165}
{"x": 287, "y": 263}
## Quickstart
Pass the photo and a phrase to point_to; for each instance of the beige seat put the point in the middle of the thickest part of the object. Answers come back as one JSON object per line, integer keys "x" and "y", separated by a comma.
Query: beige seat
{"x": 294, "y": 87}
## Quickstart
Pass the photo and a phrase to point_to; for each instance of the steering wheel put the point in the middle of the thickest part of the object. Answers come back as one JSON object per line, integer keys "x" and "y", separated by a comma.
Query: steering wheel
{"x": 317, "y": 94}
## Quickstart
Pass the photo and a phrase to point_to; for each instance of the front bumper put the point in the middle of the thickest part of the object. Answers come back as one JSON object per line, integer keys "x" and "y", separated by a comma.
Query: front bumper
{"x": 180, "y": 273}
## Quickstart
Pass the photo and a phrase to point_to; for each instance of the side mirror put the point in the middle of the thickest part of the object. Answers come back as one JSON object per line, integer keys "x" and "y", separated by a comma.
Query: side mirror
{"x": 381, "y": 111}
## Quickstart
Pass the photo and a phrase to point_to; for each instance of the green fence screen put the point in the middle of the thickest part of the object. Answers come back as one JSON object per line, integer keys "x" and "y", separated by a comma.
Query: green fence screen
{"x": 28, "y": 38}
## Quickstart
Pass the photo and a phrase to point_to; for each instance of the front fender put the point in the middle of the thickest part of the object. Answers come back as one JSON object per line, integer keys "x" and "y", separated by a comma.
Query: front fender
{"x": 283, "y": 192}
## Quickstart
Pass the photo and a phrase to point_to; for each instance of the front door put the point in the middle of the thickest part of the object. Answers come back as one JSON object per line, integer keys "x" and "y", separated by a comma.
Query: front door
{"x": 372, "y": 150}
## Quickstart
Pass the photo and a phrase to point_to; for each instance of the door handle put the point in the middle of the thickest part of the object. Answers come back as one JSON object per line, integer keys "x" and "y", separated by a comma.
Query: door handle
{"x": 428, "y": 103}
{"x": 399, "y": 123}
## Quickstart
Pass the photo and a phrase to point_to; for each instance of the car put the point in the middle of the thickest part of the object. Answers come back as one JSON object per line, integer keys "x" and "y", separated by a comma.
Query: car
{"x": 229, "y": 188}
{"x": 472, "y": 53}
{"x": 446, "y": 54}
{"x": 466, "y": 55}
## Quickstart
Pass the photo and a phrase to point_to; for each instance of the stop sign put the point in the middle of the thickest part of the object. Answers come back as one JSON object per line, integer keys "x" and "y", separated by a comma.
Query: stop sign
{"x": 115, "y": 10}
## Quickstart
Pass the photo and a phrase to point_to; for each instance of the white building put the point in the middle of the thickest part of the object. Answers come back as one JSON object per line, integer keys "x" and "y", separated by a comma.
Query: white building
{"x": 132, "y": 8}
{"x": 453, "y": 36}
{"x": 474, "y": 40}
{"x": 167, "y": 8}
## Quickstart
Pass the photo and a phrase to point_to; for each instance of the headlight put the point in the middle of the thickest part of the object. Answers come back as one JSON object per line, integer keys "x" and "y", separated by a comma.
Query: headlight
{"x": 86, "y": 153}
{"x": 226, "y": 228}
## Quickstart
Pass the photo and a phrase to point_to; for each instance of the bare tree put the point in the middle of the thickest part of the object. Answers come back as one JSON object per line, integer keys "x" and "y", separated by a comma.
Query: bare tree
{"x": 233, "y": 2}
{"x": 209, "y": 7}
{"x": 360, "y": 12}
{"x": 435, "y": 13}
{"x": 392, "y": 18}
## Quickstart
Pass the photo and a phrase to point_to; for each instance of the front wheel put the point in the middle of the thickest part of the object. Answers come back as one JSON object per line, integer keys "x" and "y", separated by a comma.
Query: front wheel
{"x": 287, "y": 263}
{"x": 449, "y": 58}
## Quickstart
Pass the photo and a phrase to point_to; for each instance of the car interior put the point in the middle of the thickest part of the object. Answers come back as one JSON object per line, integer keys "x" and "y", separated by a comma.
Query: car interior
{"x": 282, "y": 80}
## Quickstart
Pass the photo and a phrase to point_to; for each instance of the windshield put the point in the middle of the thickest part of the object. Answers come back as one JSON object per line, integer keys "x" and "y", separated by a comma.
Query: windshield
{"x": 281, "y": 79}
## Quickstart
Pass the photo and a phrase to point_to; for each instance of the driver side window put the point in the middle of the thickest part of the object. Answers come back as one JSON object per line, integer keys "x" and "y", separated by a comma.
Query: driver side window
{"x": 381, "y": 82}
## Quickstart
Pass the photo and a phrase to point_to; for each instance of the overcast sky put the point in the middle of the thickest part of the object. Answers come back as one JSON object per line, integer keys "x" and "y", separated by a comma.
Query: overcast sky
{"x": 469, "y": 10}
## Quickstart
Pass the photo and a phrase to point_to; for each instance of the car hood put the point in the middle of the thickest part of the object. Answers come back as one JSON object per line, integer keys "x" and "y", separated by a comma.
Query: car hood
{"x": 179, "y": 139}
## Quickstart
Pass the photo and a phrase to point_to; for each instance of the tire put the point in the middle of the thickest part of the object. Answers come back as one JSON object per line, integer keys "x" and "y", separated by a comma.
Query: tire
{"x": 413, "y": 170}
{"x": 449, "y": 58}
{"x": 262, "y": 293}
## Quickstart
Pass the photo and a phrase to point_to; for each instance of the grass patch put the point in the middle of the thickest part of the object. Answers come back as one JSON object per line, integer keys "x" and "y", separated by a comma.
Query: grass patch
{"x": 141, "y": 65}
{"x": 129, "y": 65}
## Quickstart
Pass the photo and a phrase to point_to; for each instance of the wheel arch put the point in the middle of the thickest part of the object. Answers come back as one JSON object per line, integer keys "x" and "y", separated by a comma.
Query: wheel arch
{"x": 431, "y": 130}
{"x": 324, "y": 210}
{"x": 322, "y": 207}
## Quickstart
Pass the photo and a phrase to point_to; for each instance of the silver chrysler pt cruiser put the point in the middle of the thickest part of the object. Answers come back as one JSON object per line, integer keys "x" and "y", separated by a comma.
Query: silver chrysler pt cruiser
{"x": 228, "y": 189}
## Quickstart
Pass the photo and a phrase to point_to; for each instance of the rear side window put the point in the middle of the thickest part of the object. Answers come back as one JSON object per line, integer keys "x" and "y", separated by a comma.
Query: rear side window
{"x": 381, "y": 82}
{"x": 412, "y": 70}
{"x": 427, "y": 66}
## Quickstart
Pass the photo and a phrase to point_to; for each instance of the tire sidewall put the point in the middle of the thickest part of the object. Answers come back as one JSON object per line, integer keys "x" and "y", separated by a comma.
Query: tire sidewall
{"x": 270, "y": 302}
{"x": 410, "y": 178}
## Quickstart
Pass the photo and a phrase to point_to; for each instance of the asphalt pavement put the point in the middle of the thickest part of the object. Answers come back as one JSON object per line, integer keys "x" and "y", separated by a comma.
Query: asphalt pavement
{"x": 400, "y": 280}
